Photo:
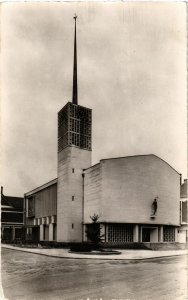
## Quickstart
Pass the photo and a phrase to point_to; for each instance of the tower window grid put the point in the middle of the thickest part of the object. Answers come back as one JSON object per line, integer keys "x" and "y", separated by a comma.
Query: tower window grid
{"x": 74, "y": 127}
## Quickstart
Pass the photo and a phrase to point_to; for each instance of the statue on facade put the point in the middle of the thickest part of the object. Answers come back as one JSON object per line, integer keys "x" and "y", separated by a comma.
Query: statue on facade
{"x": 154, "y": 206}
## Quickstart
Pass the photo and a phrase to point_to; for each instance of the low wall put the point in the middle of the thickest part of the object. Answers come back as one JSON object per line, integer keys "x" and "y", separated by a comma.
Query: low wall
{"x": 166, "y": 246}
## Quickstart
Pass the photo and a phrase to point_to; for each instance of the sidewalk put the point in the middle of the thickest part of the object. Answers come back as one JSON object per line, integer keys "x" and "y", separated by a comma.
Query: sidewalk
{"x": 125, "y": 254}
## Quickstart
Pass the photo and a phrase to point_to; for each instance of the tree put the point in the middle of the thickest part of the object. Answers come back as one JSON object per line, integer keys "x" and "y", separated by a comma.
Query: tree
{"x": 93, "y": 232}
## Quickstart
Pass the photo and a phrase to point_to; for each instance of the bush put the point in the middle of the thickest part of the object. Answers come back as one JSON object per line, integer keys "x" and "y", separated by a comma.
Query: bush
{"x": 93, "y": 233}
{"x": 81, "y": 247}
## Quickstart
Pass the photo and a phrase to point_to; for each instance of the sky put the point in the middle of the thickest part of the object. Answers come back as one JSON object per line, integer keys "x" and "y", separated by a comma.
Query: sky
{"x": 131, "y": 72}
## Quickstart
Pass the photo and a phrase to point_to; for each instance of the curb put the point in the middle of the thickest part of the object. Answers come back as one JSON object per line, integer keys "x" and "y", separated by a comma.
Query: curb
{"x": 99, "y": 257}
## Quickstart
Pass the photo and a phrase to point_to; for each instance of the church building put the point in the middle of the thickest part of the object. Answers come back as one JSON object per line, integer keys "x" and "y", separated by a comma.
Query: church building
{"x": 137, "y": 198}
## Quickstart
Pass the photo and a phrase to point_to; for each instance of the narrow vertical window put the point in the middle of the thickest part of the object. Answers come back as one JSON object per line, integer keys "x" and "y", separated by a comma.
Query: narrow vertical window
{"x": 72, "y": 226}
{"x": 72, "y": 170}
{"x": 72, "y": 198}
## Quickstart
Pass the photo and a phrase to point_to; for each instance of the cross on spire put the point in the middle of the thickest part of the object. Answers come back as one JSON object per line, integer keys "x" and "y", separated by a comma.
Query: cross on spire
{"x": 75, "y": 85}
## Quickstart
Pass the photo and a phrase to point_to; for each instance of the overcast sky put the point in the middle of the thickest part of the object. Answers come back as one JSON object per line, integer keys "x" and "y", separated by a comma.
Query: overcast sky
{"x": 131, "y": 72}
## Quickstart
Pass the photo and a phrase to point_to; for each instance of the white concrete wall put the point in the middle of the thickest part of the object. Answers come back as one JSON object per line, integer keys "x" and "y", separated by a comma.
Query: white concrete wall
{"x": 71, "y": 184}
{"x": 92, "y": 192}
{"x": 181, "y": 236}
{"x": 127, "y": 190}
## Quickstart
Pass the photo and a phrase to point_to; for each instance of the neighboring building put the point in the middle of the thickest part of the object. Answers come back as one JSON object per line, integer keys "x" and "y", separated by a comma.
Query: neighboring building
{"x": 11, "y": 218}
{"x": 183, "y": 230}
{"x": 137, "y": 198}
{"x": 41, "y": 212}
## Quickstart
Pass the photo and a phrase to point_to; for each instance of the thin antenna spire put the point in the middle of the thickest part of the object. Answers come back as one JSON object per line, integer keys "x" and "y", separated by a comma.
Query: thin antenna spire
{"x": 75, "y": 85}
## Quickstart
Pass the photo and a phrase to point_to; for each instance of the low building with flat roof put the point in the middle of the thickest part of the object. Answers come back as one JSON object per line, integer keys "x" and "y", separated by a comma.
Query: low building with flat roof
{"x": 11, "y": 218}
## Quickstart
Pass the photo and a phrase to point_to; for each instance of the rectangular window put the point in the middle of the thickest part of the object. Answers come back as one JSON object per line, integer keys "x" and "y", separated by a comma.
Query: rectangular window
{"x": 31, "y": 206}
{"x": 72, "y": 170}
{"x": 11, "y": 216}
{"x": 184, "y": 212}
{"x": 120, "y": 233}
{"x": 168, "y": 234}
{"x": 72, "y": 226}
{"x": 72, "y": 198}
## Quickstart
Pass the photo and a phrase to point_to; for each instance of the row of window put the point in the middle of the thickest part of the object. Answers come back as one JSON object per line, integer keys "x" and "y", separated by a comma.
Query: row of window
{"x": 120, "y": 233}
{"x": 12, "y": 217}
{"x": 124, "y": 233}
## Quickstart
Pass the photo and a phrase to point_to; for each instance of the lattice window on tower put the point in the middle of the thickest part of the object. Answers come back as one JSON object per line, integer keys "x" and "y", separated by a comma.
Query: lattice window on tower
{"x": 74, "y": 127}
{"x": 120, "y": 233}
{"x": 74, "y": 139}
{"x": 63, "y": 124}
{"x": 168, "y": 234}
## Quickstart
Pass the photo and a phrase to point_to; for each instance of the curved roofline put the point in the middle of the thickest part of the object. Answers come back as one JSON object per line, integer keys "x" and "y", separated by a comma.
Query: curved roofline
{"x": 141, "y": 155}
{"x": 133, "y": 156}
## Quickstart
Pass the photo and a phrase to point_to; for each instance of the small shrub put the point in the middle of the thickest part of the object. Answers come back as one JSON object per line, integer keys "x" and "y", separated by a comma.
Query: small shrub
{"x": 81, "y": 247}
{"x": 93, "y": 233}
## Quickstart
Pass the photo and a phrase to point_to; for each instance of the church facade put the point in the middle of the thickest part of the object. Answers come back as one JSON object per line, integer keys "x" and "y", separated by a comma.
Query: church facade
{"x": 137, "y": 198}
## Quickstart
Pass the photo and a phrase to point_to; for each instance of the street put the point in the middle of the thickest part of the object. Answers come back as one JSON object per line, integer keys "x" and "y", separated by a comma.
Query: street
{"x": 36, "y": 277}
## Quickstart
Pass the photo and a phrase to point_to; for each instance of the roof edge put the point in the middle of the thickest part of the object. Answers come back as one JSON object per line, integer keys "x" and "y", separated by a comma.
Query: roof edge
{"x": 91, "y": 166}
{"x": 103, "y": 159}
{"x": 41, "y": 187}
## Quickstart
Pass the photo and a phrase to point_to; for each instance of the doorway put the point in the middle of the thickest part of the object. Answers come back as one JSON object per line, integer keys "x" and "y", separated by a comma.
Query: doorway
{"x": 146, "y": 235}
{"x": 149, "y": 234}
{"x": 35, "y": 234}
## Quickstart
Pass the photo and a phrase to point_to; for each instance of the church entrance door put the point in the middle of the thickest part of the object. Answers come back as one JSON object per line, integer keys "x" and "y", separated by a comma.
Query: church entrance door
{"x": 149, "y": 234}
{"x": 145, "y": 235}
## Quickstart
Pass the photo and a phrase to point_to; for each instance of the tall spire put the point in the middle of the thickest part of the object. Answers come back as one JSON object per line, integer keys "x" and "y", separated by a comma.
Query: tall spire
{"x": 75, "y": 86}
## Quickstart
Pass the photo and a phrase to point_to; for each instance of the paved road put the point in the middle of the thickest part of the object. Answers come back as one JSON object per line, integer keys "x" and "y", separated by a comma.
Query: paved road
{"x": 35, "y": 277}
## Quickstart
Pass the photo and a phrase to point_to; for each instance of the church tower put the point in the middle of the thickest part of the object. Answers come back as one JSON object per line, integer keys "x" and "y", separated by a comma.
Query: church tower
{"x": 74, "y": 155}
